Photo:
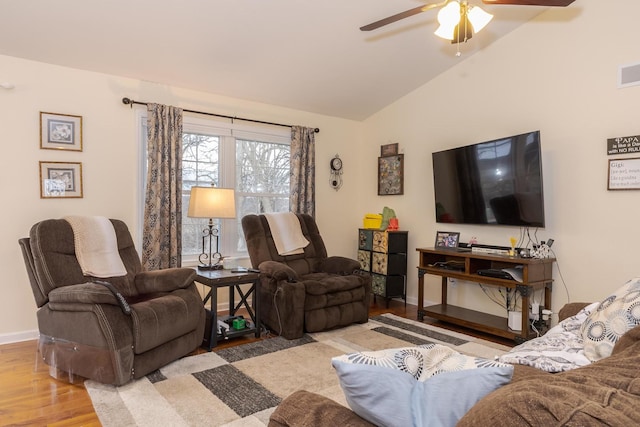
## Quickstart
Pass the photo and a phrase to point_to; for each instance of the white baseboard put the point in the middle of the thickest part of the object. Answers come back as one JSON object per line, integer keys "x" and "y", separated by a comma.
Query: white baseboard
{"x": 19, "y": 336}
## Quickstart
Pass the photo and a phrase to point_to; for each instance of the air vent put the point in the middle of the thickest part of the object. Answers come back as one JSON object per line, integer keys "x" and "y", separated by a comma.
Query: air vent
{"x": 629, "y": 75}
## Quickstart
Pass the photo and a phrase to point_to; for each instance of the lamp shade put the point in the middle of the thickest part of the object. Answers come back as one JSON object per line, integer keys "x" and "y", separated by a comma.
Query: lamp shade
{"x": 212, "y": 202}
{"x": 478, "y": 17}
{"x": 448, "y": 18}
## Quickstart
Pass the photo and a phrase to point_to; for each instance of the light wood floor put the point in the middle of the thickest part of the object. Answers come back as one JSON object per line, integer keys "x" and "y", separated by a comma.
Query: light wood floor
{"x": 29, "y": 396}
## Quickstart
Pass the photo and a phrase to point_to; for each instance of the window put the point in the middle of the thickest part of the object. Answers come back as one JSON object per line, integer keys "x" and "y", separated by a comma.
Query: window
{"x": 253, "y": 160}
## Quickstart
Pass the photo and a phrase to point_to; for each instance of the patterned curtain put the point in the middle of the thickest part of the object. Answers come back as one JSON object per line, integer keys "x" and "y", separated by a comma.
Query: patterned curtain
{"x": 162, "y": 230}
{"x": 303, "y": 171}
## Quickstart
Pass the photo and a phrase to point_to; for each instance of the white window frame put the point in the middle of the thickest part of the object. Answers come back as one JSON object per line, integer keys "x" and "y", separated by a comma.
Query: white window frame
{"x": 228, "y": 132}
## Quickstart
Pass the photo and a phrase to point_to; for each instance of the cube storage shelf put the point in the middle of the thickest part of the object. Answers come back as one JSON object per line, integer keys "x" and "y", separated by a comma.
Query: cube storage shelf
{"x": 383, "y": 254}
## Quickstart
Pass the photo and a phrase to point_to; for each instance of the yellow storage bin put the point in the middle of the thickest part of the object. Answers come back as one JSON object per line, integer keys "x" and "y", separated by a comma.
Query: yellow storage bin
{"x": 373, "y": 221}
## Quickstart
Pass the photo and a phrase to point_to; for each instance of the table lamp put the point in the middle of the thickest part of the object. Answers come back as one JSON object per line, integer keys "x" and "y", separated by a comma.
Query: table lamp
{"x": 211, "y": 202}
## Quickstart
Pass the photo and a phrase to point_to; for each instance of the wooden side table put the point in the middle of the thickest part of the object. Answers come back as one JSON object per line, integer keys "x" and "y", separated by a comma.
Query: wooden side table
{"x": 215, "y": 279}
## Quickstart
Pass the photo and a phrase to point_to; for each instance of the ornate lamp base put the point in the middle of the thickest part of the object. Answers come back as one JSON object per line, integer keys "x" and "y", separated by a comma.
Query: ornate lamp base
{"x": 210, "y": 267}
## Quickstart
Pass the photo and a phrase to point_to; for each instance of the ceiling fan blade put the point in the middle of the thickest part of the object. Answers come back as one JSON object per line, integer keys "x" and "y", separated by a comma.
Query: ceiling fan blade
{"x": 549, "y": 3}
{"x": 398, "y": 16}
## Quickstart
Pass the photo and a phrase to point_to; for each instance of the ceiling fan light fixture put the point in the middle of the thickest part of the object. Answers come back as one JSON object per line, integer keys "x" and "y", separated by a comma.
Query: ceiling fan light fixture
{"x": 461, "y": 20}
{"x": 448, "y": 18}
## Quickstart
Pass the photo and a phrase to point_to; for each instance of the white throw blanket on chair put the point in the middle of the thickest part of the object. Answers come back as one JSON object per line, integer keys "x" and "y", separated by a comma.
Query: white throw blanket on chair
{"x": 96, "y": 246}
{"x": 287, "y": 233}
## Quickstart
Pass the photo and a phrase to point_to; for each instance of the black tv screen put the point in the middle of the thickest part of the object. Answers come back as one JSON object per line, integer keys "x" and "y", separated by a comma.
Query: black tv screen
{"x": 495, "y": 182}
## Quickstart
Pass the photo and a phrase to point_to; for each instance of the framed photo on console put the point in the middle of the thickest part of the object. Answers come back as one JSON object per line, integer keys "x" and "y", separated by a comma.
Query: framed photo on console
{"x": 447, "y": 239}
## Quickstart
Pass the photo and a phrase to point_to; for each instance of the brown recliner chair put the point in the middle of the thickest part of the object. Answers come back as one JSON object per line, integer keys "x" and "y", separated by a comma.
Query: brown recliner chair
{"x": 307, "y": 292}
{"x": 86, "y": 331}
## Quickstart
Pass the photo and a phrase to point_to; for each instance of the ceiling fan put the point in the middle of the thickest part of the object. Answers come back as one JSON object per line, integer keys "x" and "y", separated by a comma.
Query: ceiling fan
{"x": 458, "y": 19}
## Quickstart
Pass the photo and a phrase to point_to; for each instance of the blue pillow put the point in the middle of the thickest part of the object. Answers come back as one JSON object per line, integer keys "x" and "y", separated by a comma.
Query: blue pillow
{"x": 378, "y": 394}
{"x": 442, "y": 400}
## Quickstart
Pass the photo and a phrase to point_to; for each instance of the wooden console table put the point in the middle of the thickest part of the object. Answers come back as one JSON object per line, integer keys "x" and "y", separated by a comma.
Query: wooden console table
{"x": 536, "y": 274}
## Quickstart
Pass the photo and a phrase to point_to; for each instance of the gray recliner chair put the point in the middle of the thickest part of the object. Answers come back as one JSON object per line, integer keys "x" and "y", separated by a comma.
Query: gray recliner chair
{"x": 85, "y": 327}
{"x": 307, "y": 292}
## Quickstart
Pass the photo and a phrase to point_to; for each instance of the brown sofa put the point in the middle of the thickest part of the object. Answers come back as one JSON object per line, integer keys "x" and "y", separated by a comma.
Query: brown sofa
{"x": 306, "y": 292}
{"x": 606, "y": 392}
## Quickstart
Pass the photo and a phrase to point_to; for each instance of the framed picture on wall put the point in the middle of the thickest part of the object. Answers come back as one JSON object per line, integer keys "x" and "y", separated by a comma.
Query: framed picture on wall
{"x": 623, "y": 174}
{"x": 60, "y": 180}
{"x": 391, "y": 175}
{"x": 447, "y": 239}
{"x": 388, "y": 150}
{"x": 60, "y": 132}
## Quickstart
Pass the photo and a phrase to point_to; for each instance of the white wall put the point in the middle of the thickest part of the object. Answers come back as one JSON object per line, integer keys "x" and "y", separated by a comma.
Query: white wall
{"x": 558, "y": 74}
{"x": 110, "y": 161}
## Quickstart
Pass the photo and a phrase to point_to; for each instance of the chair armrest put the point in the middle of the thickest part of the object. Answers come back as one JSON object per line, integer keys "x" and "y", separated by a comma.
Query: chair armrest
{"x": 571, "y": 309}
{"x": 338, "y": 265}
{"x": 278, "y": 271}
{"x": 166, "y": 280}
{"x": 83, "y": 293}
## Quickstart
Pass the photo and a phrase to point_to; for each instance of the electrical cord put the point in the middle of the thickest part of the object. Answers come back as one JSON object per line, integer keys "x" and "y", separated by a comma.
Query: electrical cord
{"x": 564, "y": 284}
{"x": 533, "y": 326}
{"x": 277, "y": 311}
{"x": 492, "y": 297}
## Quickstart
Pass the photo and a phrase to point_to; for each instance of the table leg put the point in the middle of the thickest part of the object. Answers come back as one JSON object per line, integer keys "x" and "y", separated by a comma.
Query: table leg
{"x": 213, "y": 335}
{"x": 232, "y": 310}
{"x": 421, "y": 294}
{"x": 445, "y": 282}
{"x": 254, "y": 301}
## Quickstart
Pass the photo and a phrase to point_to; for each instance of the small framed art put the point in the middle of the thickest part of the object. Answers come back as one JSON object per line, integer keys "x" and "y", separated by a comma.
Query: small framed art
{"x": 391, "y": 175}
{"x": 60, "y": 132}
{"x": 389, "y": 150}
{"x": 60, "y": 180}
{"x": 447, "y": 239}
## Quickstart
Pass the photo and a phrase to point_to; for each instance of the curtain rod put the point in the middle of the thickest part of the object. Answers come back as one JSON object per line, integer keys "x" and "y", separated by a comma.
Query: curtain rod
{"x": 128, "y": 101}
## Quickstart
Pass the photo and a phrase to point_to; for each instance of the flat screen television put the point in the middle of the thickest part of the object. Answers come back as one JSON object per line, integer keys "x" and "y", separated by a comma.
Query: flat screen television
{"x": 495, "y": 182}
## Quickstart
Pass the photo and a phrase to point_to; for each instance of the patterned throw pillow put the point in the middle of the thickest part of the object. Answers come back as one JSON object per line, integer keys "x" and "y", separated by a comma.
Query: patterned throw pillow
{"x": 615, "y": 315}
{"x": 422, "y": 362}
{"x": 415, "y": 386}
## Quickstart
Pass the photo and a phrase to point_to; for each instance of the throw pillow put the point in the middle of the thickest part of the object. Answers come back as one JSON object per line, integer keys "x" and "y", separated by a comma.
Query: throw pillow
{"x": 613, "y": 317}
{"x": 423, "y": 361}
{"x": 443, "y": 400}
{"x": 380, "y": 395}
{"x": 385, "y": 386}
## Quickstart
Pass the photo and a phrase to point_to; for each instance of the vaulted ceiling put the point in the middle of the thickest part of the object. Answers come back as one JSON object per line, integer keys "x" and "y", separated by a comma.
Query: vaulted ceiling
{"x": 301, "y": 54}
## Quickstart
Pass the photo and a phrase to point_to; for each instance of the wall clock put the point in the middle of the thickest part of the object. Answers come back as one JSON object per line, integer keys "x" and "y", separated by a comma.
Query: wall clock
{"x": 336, "y": 172}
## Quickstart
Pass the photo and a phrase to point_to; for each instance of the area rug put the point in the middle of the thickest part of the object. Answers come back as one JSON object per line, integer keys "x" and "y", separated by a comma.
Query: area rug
{"x": 242, "y": 385}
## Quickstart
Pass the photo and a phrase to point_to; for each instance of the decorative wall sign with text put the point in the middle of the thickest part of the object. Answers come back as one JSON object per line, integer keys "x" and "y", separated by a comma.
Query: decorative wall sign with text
{"x": 624, "y": 174}
{"x": 623, "y": 145}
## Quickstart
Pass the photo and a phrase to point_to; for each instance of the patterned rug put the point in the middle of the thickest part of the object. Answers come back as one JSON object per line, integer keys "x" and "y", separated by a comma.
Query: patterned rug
{"x": 241, "y": 386}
